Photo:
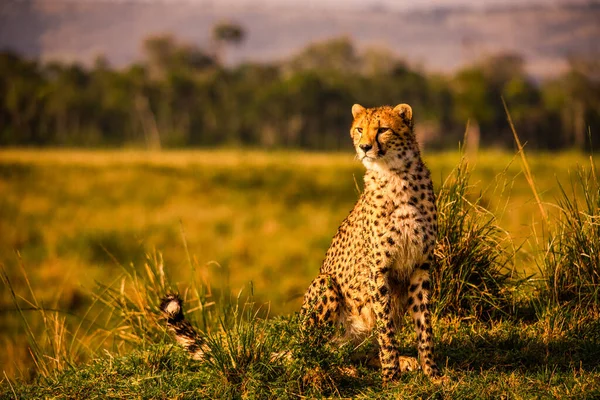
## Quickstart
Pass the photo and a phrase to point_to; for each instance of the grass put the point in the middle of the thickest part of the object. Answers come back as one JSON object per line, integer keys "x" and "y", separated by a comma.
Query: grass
{"x": 503, "y": 360}
{"x": 574, "y": 244}
{"x": 243, "y": 234}
{"x": 474, "y": 256}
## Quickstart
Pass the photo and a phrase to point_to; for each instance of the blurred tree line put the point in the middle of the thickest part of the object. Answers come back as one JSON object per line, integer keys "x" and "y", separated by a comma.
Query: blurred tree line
{"x": 183, "y": 95}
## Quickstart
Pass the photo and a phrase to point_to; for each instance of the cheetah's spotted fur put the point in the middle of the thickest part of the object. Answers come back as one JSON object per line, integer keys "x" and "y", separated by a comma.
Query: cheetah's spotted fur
{"x": 378, "y": 263}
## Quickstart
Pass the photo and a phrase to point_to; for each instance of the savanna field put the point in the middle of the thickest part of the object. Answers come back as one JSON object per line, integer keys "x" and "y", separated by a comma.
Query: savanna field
{"x": 90, "y": 241}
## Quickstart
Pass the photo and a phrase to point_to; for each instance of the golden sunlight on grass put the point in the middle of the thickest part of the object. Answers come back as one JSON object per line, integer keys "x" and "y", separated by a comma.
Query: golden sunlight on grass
{"x": 70, "y": 218}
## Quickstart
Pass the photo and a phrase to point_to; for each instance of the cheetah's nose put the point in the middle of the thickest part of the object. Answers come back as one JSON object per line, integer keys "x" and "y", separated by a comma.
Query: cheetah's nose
{"x": 365, "y": 147}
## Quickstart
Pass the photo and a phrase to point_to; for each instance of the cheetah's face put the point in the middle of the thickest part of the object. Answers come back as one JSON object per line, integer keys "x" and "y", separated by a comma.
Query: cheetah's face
{"x": 381, "y": 135}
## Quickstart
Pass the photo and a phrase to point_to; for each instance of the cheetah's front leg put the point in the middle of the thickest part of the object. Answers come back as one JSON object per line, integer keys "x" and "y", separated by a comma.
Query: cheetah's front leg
{"x": 418, "y": 302}
{"x": 386, "y": 331}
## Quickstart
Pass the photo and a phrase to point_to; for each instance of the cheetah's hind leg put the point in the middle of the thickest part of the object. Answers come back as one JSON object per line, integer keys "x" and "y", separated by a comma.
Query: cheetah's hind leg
{"x": 322, "y": 302}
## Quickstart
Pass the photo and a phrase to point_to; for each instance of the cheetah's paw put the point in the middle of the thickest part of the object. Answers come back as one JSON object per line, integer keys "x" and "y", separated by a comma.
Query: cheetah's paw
{"x": 408, "y": 364}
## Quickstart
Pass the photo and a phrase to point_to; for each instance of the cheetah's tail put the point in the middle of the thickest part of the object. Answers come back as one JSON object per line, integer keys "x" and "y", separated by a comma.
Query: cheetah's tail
{"x": 184, "y": 332}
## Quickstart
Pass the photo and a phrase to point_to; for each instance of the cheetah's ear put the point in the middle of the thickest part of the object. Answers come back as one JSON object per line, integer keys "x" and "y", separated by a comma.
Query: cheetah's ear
{"x": 357, "y": 110}
{"x": 405, "y": 112}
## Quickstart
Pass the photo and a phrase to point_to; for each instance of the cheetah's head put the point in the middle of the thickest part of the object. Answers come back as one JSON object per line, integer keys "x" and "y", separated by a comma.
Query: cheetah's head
{"x": 383, "y": 136}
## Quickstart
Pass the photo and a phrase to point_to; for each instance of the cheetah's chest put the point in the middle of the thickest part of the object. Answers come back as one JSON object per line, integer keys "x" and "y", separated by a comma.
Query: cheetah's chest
{"x": 406, "y": 229}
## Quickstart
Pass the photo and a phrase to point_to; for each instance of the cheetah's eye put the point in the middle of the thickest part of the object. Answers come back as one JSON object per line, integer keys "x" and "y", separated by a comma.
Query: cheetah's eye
{"x": 359, "y": 130}
{"x": 382, "y": 129}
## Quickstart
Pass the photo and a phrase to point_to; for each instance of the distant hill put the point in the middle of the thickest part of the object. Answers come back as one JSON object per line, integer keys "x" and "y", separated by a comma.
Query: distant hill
{"x": 441, "y": 39}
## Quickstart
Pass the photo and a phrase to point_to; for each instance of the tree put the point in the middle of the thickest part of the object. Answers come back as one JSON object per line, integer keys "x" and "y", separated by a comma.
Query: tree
{"x": 336, "y": 54}
{"x": 22, "y": 101}
{"x": 472, "y": 100}
{"x": 574, "y": 98}
{"x": 225, "y": 34}
{"x": 164, "y": 53}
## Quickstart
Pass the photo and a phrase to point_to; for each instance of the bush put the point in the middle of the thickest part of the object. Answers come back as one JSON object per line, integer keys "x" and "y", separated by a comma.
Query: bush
{"x": 570, "y": 265}
{"x": 471, "y": 277}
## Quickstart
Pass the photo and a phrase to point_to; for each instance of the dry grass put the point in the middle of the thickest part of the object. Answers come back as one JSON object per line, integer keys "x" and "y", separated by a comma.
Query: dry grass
{"x": 70, "y": 219}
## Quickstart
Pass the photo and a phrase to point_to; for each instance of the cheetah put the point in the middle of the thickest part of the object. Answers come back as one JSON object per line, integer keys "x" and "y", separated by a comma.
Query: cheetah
{"x": 378, "y": 263}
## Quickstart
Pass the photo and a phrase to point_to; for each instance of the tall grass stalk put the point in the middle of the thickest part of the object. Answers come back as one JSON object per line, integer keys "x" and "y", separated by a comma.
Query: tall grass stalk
{"x": 473, "y": 255}
{"x": 34, "y": 350}
{"x": 242, "y": 356}
{"x": 122, "y": 315}
{"x": 571, "y": 262}
{"x": 525, "y": 164}
{"x": 53, "y": 349}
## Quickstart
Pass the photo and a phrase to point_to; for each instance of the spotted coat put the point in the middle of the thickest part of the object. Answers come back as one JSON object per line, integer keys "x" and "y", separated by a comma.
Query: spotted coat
{"x": 377, "y": 266}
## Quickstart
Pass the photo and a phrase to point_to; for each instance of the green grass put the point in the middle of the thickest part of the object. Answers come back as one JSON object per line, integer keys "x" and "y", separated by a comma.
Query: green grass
{"x": 570, "y": 266}
{"x": 501, "y": 360}
{"x": 474, "y": 256}
{"x": 92, "y": 239}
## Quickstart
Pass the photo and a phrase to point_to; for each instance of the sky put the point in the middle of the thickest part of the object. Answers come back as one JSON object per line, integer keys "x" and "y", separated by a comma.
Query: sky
{"x": 395, "y": 5}
{"x": 399, "y": 4}
{"x": 279, "y": 29}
